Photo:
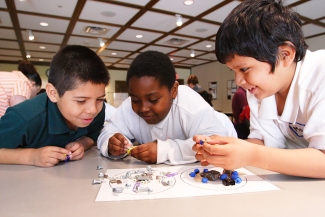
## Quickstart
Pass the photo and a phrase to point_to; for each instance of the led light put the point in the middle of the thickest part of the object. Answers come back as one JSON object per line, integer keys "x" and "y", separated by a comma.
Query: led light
{"x": 179, "y": 21}
{"x": 188, "y": 2}
{"x": 42, "y": 47}
{"x": 113, "y": 54}
{"x": 139, "y": 36}
{"x": 30, "y": 35}
{"x": 209, "y": 45}
{"x": 192, "y": 53}
{"x": 101, "y": 42}
{"x": 43, "y": 24}
{"x": 28, "y": 54}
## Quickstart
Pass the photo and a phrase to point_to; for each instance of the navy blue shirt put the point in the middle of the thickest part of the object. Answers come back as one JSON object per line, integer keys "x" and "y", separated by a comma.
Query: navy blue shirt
{"x": 37, "y": 122}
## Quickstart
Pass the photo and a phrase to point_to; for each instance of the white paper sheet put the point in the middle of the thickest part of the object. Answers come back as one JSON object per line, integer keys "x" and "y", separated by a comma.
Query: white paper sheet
{"x": 181, "y": 184}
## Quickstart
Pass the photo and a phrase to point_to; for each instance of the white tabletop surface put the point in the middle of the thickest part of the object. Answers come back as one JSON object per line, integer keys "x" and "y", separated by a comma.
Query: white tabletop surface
{"x": 67, "y": 190}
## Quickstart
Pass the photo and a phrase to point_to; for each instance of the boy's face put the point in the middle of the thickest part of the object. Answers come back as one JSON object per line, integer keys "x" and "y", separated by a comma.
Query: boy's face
{"x": 150, "y": 100}
{"x": 256, "y": 76}
{"x": 81, "y": 105}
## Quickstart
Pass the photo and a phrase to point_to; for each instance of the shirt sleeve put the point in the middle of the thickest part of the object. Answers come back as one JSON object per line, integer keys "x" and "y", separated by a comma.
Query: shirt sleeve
{"x": 206, "y": 122}
{"x": 13, "y": 130}
{"x": 116, "y": 124}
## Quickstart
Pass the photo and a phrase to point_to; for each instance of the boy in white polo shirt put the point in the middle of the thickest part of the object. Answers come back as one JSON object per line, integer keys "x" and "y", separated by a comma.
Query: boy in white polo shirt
{"x": 262, "y": 42}
{"x": 161, "y": 115}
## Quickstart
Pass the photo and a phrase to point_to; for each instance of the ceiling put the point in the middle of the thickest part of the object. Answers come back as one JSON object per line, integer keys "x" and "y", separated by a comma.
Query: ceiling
{"x": 124, "y": 19}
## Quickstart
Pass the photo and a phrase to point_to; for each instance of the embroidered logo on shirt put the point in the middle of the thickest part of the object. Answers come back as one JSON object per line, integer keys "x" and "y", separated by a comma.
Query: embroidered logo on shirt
{"x": 298, "y": 129}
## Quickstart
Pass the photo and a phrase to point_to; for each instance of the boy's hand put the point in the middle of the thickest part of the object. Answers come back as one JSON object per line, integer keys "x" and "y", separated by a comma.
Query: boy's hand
{"x": 76, "y": 149}
{"x": 146, "y": 152}
{"x": 226, "y": 152}
{"x": 48, "y": 156}
{"x": 118, "y": 144}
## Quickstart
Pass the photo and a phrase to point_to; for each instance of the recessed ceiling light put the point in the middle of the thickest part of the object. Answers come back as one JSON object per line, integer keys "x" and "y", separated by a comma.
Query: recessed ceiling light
{"x": 113, "y": 54}
{"x": 41, "y": 60}
{"x": 208, "y": 45}
{"x": 108, "y": 14}
{"x": 171, "y": 59}
{"x": 188, "y": 2}
{"x": 139, "y": 36}
{"x": 42, "y": 47}
{"x": 44, "y": 24}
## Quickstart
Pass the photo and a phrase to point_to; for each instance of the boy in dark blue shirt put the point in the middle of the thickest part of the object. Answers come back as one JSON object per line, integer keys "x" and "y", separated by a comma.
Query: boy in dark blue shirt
{"x": 63, "y": 122}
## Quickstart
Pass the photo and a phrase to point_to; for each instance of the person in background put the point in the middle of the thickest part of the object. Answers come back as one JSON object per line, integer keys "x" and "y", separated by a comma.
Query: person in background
{"x": 193, "y": 82}
{"x": 161, "y": 115}
{"x": 29, "y": 70}
{"x": 263, "y": 43}
{"x": 62, "y": 123}
{"x": 18, "y": 86}
{"x": 239, "y": 102}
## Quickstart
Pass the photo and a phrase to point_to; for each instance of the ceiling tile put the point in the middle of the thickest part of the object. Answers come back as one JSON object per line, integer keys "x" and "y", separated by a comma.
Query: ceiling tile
{"x": 36, "y": 47}
{"x": 195, "y": 9}
{"x": 185, "y": 53}
{"x": 11, "y": 58}
{"x": 199, "y": 29}
{"x": 203, "y": 46}
{"x": 5, "y": 19}
{"x": 89, "y": 42}
{"x": 135, "y": 2}
{"x": 194, "y": 61}
{"x": 43, "y": 55}
{"x": 33, "y": 23}
{"x": 112, "y": 13}
{"x": 166, "y": 39}
{"x": 130, "y": 35}
{"x": 8, "y": 34}
{"x": 317, "y": 7}
{"x": 108, "y": 52}
{"x": 9, "y": 44}
{"x": 3, "y": 4}
{"x": 220, "y": 14}
{"x": 159, "y": 48}
{"x": 10, "y": 52}
{"x": 117, "y": 45}
{"x": 311, "y": 29}
{"x": 55, "y": 7}
{"x": 161, "y": 22}
{"x": 43, "y": 37}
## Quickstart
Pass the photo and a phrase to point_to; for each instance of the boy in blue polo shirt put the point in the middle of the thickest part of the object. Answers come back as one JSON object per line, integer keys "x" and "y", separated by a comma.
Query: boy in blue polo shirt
{"x": 63, "y": 122}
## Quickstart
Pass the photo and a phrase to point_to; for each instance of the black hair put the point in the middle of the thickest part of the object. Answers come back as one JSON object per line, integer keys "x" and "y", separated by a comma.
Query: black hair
{"x": 256, "y": 28}
{"x": 153, "y": 64}
{"x": 75, "y": 64}
{"x": 36, "y": 78}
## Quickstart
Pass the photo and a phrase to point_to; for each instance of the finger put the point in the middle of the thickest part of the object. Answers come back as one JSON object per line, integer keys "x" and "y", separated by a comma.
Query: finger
{"x": 216, "y": 149}
{"x": 197, "y": 148}
{"x": 215, "y": 139}
{"x": 204, "y": 163}
{"x": 116, "y": 146}
{"x": 123, "y": 140}
{"x": 74, "y": 146}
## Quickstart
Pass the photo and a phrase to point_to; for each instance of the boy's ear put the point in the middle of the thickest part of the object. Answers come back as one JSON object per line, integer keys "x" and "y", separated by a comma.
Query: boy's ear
{"x": 287, "y": 53}
{"x": 51, "y": 92}
{"x": 174, "y": 89}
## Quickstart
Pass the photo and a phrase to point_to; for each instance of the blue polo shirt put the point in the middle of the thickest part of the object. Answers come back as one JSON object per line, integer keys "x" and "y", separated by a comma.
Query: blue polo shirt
{"x": 37, "y": 122}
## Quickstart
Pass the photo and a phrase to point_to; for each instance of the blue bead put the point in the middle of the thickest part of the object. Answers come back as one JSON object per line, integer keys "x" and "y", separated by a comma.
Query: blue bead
{"x": 238, "y": 180}
{"x": 206, "y": 170}
{"x": 234, "y": 176}
{"x": 196, "y": 170}
{"x": 223, "y": 176}
{"x": 201, "y": 142}
{"x": 192, "y": 174}
{"x": 235, "y": 172}
{"x": 205, "y": 180}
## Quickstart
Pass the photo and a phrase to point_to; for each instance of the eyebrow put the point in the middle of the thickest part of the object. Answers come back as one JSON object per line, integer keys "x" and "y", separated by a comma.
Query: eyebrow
{"x": 84, "y": 97}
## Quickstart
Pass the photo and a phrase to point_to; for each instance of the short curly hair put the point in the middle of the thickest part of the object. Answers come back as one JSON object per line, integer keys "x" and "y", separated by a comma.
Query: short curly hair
{"x": 153, "y": 64}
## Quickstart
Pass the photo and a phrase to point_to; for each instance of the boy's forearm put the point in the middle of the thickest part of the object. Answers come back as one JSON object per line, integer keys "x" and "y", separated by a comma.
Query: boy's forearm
{"x": 16, "y": 156}
{"x": 307, "y": 162}
{"x": 86, "y": 142}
